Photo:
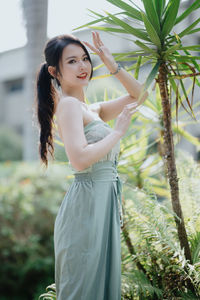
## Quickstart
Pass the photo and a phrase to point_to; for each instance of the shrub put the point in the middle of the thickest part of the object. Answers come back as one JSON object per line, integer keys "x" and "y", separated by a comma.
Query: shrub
{"x": 11, "y": 145}
{"x": 29, "y": 200}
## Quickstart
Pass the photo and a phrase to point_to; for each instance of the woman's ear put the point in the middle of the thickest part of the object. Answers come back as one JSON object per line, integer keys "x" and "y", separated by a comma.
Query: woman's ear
{"x": 52, "y": 71}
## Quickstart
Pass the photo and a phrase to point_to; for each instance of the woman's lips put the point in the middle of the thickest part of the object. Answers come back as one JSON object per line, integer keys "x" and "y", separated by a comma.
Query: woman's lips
{"x": 82, "y": 76}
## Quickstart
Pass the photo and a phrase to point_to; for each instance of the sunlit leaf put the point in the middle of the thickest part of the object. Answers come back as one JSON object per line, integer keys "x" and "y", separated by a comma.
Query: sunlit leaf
{"x": 108, "y": 29}
{"x": 100, "y": 19}
{"x": 151, "y": 31}
{"x": 192, "y": 139}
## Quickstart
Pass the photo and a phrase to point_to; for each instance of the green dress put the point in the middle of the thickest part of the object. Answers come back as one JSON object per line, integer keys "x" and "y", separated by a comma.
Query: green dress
{"x": 87, "y": 229}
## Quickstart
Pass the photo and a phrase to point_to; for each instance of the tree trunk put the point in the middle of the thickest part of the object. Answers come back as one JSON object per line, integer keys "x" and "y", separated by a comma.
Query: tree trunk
{"x": 35, "y": 17}
{"x": 169, "y": 159}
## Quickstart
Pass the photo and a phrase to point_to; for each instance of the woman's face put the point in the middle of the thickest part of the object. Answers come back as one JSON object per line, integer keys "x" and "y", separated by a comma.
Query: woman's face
{"x": 75, "y": 67}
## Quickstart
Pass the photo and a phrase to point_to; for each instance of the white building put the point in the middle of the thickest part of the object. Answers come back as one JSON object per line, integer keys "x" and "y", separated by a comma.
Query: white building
{"x": 13, "y": 74}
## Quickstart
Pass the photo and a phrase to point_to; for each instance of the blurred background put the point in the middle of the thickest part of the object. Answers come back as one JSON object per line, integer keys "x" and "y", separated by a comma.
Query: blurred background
{"x": 25, "y": 26}
{"x": 30, "y": 196}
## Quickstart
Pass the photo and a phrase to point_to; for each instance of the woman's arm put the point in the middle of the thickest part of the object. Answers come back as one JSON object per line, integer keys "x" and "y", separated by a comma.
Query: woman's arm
{"x": 111, "y": 109}
{"x": 80, "y": 153}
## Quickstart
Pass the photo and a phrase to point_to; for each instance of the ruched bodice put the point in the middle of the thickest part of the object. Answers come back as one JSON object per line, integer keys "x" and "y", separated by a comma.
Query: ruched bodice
{"x": 94, "y": 132}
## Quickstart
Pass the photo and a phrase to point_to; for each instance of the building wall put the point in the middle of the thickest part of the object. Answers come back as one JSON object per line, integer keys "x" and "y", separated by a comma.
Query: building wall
{"x": 12, "y": 94}
{"x": 13, "y": 74}
{"x": 12, "y": 78}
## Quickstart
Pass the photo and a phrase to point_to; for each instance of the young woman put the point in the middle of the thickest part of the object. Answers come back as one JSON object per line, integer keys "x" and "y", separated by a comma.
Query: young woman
{"x": 87, "y": 226}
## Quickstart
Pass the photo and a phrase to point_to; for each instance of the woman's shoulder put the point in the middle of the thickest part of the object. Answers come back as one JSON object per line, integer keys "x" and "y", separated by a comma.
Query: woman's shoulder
{"x": 68, "y": 100}
{"x": 67, "y": 103}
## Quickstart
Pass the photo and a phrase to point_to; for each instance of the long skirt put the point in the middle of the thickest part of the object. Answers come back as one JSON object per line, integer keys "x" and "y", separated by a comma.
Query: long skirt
{"x": 87, "y": 237}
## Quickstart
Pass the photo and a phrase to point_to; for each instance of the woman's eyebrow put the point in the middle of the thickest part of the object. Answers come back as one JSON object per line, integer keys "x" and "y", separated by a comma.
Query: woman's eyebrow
{"x": 75, "y": 56}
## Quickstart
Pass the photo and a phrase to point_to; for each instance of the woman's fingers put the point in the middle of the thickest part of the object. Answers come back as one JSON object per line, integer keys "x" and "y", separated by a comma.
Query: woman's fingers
{"x": 98, "y": 39}
{"x": 90, "y": 46}
{"x": 133, "y": 111}
{"x": 131, "y": 108}
{"x": 95, "y": 40}
{"x": 133, "y": 104}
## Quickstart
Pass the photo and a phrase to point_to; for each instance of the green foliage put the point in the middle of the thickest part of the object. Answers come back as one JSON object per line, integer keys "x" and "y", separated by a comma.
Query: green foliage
{"x": 29, "y": 200}
{"x": 11, "y": 145}
{"x": 153, "y": 233}
{"x": 169, "y": 17}
{"x": 153, "y": 25}
{"x": 50, "y": 294}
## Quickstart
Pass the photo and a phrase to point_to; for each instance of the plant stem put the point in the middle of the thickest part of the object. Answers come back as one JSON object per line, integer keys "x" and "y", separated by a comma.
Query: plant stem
{"x": 131, "y": 248}
{"x": 169, "y": 158}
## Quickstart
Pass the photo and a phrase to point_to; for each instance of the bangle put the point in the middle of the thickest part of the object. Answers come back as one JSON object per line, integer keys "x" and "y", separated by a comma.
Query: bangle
{"x": 118, "y": 68}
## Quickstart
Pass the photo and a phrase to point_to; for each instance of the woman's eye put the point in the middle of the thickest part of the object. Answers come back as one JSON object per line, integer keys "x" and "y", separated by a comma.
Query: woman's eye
{"x": 73, "y": 60}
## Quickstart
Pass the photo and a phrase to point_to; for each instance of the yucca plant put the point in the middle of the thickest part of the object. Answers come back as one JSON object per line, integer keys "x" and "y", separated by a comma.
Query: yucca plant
{"x": 171, "y": 63}
{"x": 141, "y": 153}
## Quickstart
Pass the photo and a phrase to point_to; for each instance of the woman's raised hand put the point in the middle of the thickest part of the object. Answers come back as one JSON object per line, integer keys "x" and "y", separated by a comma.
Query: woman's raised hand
{"x": 100, "y": 49}
{"x": 123, "y": 120}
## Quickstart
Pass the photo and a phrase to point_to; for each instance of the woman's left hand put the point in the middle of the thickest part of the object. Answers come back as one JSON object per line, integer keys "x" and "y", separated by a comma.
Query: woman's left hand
{"x": 103, "y": 52}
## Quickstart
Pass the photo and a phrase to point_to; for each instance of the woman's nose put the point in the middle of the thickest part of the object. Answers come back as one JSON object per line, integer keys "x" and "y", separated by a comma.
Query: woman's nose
{"x": 81, "y": 64}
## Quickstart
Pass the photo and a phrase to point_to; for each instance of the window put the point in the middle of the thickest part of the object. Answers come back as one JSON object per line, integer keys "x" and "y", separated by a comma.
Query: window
{"x": 14, "y": 85}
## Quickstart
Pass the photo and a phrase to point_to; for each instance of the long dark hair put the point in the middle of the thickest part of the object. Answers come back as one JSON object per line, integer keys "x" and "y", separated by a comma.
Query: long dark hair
{"x": 46, "y": 92}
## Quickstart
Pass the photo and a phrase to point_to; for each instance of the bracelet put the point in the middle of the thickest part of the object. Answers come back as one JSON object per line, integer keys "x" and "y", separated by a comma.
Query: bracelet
{"x": 118, "y": 68}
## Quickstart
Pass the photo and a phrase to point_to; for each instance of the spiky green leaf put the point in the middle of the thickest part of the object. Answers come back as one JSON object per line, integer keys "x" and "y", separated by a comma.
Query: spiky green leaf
{"x": 189, "y": 28}
{"x": 129, "y": 29}
{"x": 193, "y": 48}
{"x": 121, "y": 4}
{"x": 186, "y": 97}
{"x": 138, "y": 67}
{"x": 151, "y": 31}
{"x": 152, "y": 75}
{"x": 172, "y": 49}
{"x": 170, "y": 17}
{"x": 192, "y": 139}
{"x": 111, "y": 29}
{"x": 197, "y": 66}
{"x": 146, "y": 48}
{"x": 100, "y": 19}
{"x": 188, "y": 11}
{"x": 159, "y": 6}
{"x": 194, "y": 31}
{"x": 152, "y": 14}
{"x": 186, "y": 57}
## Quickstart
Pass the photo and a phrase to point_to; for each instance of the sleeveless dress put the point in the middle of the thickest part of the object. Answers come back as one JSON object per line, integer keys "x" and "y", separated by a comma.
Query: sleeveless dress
{"x": 87, "y": 229}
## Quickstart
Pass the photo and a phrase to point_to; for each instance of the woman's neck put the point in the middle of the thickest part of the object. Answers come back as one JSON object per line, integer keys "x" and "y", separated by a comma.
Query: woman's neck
{"x": 77, "y": 93}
